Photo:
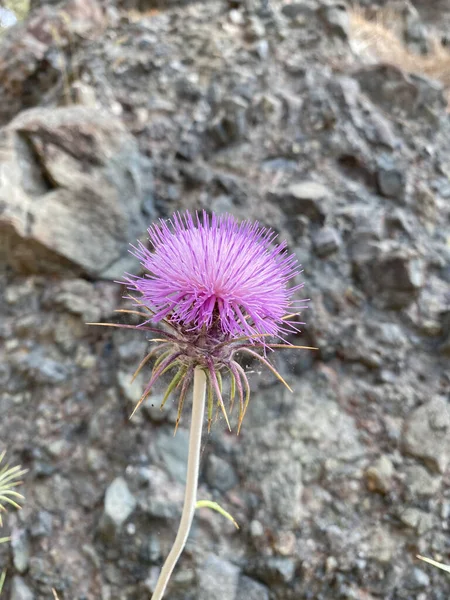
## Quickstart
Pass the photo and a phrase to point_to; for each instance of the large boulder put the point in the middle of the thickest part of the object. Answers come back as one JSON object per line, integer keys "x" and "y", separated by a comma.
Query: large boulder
{"x": 74, "y": 192}
{"x": 36, "y": 56}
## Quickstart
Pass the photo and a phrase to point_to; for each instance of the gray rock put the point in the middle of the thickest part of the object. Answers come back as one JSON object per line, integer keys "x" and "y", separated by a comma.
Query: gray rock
{"x": 220, "y": 474}
{"x": 197, "y": 174}
{"x": 400, "y": 270}
{"x": 416, "y": 34}
{"x": 267, "y": 107}
{"x": 218, "y": 579}
{"x": 60, "y": 217}
{"x": 373, "y": 344}
{"x": 20, "y": 590}
{"x": 217, "y": 130}
{"x": 188, "y": 149}
{"x": 282, "y": 491}
{"x": 154, "y": 548}
{"x": 255, "y": 29}
{"x": 417, "y": 579}
{"x": 379, "y": 475}
{"x": 30, "y": 68}
{"x": 323, "y": 423}
{"x": 230, "y": 124}
{"x": 444, "y": 318}
{"x": 43, "y": 369}
{"x": 172, "y": 450}
{"x": 294, "y": 10}
{"x": 249, "y": 589}
{"x": 162, "y": 498}
{"x": 57, "y": 448}
{"x": 222, "y": 204}
{"x": 336, "y": 18}
{"x": 274, "y": 570}
{"x": 419, "y": 520}
{"x": 81, "y": 297}
{"x": 391, "y": 273}
{"x": 426, "y": 434}
{"x": 309, "y": 190}
{"x": 152, "y": 408}
{"x": 305, "y": 198}
{"x": 326, "y": 241}
{"x": 42, "y": 526}
{"x": 20, "y": 545}
{"x": 119, "y": 502}
{"x": 381, "y": 545}
{"x": 132, "y": 391}
{"x": 391, "y": 178}
{"x": 401, "y": 94}
{"x": 420, "y": 483}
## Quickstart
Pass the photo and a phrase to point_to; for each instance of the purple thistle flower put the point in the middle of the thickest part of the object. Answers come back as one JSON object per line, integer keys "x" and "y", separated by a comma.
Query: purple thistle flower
{"x": 220, "y": 288}
{"x": 216, "y": 274}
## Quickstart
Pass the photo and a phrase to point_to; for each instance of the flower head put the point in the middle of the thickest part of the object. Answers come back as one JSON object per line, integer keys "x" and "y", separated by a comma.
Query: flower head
{"x": 219, "y": 288}
{"x": 216, "y": 274}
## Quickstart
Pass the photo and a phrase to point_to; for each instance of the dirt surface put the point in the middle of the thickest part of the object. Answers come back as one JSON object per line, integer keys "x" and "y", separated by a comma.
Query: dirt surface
{"x": 267, "y": 111}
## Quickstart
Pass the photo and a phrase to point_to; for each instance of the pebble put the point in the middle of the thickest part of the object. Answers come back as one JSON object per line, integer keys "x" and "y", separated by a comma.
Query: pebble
{"x": 419, "y": 579}
{"x": 274, "y": 570}
{"x": 220, "y": 474}
{"x": 43, "y": 369}
{"x": 42, "y": 526}
{"x": 294, "y": 10}
{"x": 249, "y": 589}
{"x": 256, "y": 529}
{"x": 20, "y": 590}
{"x": 419, "y": 520}
{"x": 218, "y": 579}
{"x": 326, "y": 241}
{"x": 309, "y": 190}
{"x": 426, "y": 434}
{"x": 391, "y": 179}
{"x": 20, "y": 545}
{"x": 381, "y": 545}
{"x": 420, "y": 483}
{"x": 337, "y": 19}
{"x": 119, "y": 502}
{"x": 400, "y": 270}
{"x": 379, "y": 475}
{"x": 132, "y": 391}
{"x": 172, "y": 451}
{"x": 152, "y": 408}
{"x": 304, "y": 198}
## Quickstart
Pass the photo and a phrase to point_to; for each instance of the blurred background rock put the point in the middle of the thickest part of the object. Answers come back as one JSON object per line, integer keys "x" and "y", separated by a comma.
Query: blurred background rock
{"x": 323, "y": 120}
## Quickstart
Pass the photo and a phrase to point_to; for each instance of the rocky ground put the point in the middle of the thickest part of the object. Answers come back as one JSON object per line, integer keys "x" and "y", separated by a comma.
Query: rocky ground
{"x": 113, "y": 117}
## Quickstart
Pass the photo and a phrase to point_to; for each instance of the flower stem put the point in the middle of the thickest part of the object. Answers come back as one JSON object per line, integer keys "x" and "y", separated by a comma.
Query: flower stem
{"x": 190, "y": 495}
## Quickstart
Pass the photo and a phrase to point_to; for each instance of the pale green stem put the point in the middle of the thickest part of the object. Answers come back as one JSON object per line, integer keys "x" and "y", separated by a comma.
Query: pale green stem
{"x": 190, "y": 495}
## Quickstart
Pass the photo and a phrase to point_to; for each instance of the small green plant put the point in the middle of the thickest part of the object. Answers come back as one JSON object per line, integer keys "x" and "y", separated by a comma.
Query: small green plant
{"x": 9, "y": 479}
{"x": 215, "y": 506}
